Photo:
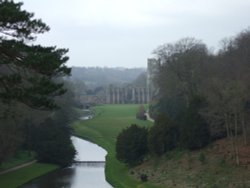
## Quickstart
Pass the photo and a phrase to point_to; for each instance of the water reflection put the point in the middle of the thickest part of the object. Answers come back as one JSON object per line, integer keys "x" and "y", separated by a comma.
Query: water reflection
{"x": 87, "y": 151}
{"x": 79, "y": 175}
{"x": 52, "y": 180}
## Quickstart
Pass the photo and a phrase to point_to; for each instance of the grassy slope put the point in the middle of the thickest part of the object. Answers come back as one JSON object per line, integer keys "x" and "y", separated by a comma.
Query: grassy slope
{"x": 211, "y": 167}
{"x": 21, "y": 176}
{"x": 103, "y": 130}
{"x": 176, "y": 169}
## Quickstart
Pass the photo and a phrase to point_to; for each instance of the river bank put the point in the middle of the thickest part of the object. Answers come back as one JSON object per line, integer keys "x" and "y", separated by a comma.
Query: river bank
{"x": 87, "y": 171}
{"x": 23, "y": 168}
{"x": 18, "y": 177}
{"x": 209, "y": 167}
{"x": 17, "y": 167}
{"x": 103, "y": 129}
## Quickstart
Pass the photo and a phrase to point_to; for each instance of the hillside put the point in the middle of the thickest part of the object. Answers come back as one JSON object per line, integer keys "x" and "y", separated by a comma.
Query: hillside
{"x": 212, "y": 167}
{"x": 97, "y": 76}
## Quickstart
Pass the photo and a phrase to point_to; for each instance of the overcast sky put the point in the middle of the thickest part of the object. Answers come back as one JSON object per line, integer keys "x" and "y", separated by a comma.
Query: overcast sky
{"x": 123, "y": 33}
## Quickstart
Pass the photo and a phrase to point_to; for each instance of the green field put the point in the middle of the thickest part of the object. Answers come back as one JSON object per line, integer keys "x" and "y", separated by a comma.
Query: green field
{"x": 16, "y": 178}
{"x": 103, "y": 129}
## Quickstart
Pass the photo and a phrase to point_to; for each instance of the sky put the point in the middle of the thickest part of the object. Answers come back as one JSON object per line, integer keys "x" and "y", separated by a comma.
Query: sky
{"x": 123, "y": 33}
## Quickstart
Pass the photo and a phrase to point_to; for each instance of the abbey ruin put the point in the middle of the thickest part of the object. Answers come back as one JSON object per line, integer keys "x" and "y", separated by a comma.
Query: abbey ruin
{"x": 132, "y": 94}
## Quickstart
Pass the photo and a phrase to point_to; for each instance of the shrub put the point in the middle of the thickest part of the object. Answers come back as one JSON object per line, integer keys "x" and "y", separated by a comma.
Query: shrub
{"x": 202, "y": 158}
{"x": 194, "y": 129}
{"x": 163, "y": 136}
{"x": 131, "y": 145}
{"x": 144, "y": 177}
{"x": 52, "y": 143}
{"x": 141, "y": 113}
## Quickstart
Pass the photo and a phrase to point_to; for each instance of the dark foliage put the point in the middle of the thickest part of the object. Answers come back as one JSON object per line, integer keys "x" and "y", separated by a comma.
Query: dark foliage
{"x": 194, "y": 131}
{"x": 172, "y": 106}
{"x": 10, "y": 139}
{"x": 163, "y": 136}
{"x": 179, "y": 83}
{"x": 189, "y": 132}
{"x": 28, "y": 71}
{"x": 51, "y": 141}
{"x": 18, "y": 23}
{"x": 131, "y": 145}
{"x": 144, "y": 177}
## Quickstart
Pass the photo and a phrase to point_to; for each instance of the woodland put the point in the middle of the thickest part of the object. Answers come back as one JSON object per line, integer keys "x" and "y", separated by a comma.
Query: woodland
{"x": 32, "y": 114}
{"x": 201, "y": 96}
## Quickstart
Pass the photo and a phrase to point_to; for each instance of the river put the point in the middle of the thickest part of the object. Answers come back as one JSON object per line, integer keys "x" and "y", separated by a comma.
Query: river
{"x": 79, "y": 175}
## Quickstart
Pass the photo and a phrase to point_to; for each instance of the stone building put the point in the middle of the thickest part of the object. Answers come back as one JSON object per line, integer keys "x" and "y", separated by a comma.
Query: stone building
{"x": 153, "y": 67}
{"x": 126, "y": 95}
{"x": 134, "y": 94}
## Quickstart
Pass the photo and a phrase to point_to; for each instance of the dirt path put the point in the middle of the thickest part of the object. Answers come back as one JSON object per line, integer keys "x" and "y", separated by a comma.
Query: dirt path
{"x": 18, "y": 167}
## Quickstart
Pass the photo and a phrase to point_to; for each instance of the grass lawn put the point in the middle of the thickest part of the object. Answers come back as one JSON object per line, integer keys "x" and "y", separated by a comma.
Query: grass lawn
{"x": 20, "y": 158}
{"x": 103, "y": 129}
{"x": 16, "y": 178}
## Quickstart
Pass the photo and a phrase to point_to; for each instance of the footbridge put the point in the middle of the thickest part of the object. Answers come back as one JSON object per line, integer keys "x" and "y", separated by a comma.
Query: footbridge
{"x": 90, "y": 163}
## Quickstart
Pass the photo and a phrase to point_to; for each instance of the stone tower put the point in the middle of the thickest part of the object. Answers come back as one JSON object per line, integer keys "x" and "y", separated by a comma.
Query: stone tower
{"x": 153, "y": 66}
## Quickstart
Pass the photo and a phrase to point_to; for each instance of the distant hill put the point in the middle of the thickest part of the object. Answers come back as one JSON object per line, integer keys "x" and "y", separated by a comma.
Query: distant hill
{"x": 98, "y": 76}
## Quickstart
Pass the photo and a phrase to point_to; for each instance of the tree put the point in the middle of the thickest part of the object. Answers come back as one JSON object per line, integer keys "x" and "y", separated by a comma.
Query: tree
{"x": 28, "y": 73}
{"x": 51, "y": 137}
{"x": 10, "y": 139}
{"x": 179, "y": 81}
{"x": 163, "y": 136}
{"x": 194, "y": 131}
{"x": 131, "y": 145}
{"x": 17, "y": 23}
{"x": 205, "y": 95}
{"x": 52, "y": 142}
{"x": 181, "y": 69}
{"x": 228, "y": 90}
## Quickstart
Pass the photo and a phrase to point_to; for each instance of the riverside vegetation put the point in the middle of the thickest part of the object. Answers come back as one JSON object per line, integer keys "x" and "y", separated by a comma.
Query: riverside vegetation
{"x": 18, "y": 177}
{"x": 200, "y": 109}
{"x": 103, "y": 129}
{"x": 208, "y": 167}
{"x": 35, "y": 109}
{"x": 202, "y": 100}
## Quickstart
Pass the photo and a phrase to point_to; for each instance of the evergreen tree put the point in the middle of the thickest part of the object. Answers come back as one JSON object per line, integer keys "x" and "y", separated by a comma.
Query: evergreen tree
{"x": 52, "y": 142}
{"x": 131, "y": 145}
{"x": 163, "y": 136}
{"x": 27, "y": 72}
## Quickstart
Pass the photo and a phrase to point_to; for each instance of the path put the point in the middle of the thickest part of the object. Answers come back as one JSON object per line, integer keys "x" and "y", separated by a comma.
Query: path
{"x": 18, "y": 167}
{"x": 149, "y": 118}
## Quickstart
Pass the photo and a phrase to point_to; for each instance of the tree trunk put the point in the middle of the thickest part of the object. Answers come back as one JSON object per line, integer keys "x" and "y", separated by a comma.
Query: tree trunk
{"x": 227, "y": 125}
{"x": 244, "y": 128}
{"x": 236, "y": 139}
{"x": 231, "y": 136}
